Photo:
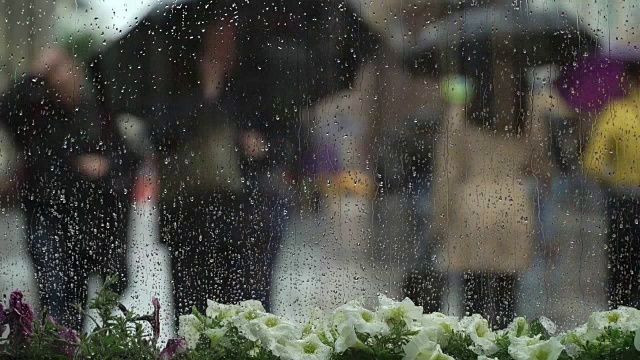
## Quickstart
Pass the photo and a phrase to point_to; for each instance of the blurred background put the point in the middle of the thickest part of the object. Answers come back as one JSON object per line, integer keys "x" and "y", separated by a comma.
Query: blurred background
{"x": 361, "y": 161}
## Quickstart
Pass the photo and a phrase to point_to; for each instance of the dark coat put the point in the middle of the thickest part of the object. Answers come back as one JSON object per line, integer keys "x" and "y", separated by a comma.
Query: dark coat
{"x": 51, "y": 136}
{"x": 198, "y": 148}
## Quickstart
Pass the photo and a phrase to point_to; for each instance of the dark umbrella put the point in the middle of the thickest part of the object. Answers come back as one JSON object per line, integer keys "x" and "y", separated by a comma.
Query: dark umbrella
{"x": 532, "y": 38}
{"x": 290, "y": 54}
{"x": 156, "y": 59}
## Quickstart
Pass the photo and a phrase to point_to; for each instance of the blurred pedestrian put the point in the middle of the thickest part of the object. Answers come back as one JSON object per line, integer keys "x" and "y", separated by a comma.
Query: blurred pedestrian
{"x": 213, "y": 218}
{"x": 612, "y": 157}
{"x": 586, "y": 87}
{"x": 484, "y": 210}
{"x": 74, "y": 179}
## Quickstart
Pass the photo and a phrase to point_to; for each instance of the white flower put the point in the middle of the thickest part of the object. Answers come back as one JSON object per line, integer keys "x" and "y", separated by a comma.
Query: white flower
{"x": 273, "y": 330}
{"x": 190, "y": 329}
{"x": 404, "y": 310}
{"x": 438, "y": 326}
{"x": 318, "y": 324}
{"x": 573, "y": 341}
{"x": 439, "y": 355}
{"x": 624, "y": 318}
{"x": 308, "y": 348}
{"x": 518, "y": 327}
{"x": 215, "y": 309}
{"x": 526, "y": 348}
{"x": 482, "y": 357}
{"x": 215, "y": 336}
{"x": 351, "y": 318}
{"x": 364, "y": 321}
{"x": 242, "y": 322}
{"x": 483, "y": 338}
{"x": 420, "y": 347}
{"x": 254, "y": 305}
{"x": 448, "y": 323}
{"x": 347, "y": 337}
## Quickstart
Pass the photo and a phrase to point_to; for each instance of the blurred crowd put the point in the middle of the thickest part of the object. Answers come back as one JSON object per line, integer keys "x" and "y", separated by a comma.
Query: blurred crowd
{"x": 439, "y": 141}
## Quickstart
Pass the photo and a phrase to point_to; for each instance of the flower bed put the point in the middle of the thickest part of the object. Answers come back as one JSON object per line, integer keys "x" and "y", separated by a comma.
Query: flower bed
{"x": 394, "y": 330}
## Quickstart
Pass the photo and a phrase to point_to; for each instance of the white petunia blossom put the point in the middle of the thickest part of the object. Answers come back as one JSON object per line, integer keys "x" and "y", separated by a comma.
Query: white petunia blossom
{"x": 438, "y": 326}
{"x": 308, "y": 348}
{"x": 518, "y": 327}
{"x": 352, "y": 318}
{"x": 404, "y": 310}
{"x": 526, "y": 348}
{"x": 322, "y": 330}
{"x": 251, "y": 305}
{"x": 420, "y": 347}
{"x": 574, "y": 340}
{"x": 273, "y": 330}
{"x": 190, "y": 329}
{"x": 215, "y": 309}
{"x": 215, "y": 336}
{"x": 624, "y": 318}
{"x": 484, "y": 340}
{"x": 363, "y": 320}
{"x": 346, "y": 338}
{"x": 242, "y": 322}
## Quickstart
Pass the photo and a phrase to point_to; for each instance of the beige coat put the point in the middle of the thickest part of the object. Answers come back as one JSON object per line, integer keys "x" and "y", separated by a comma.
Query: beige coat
{"x": 485, "y": 207}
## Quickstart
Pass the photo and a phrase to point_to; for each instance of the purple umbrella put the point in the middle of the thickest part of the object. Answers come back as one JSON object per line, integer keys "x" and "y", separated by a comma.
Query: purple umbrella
{"x": 592, "y": 82}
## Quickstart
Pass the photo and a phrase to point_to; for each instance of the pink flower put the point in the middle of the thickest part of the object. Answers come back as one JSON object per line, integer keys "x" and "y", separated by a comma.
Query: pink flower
{"x": 19, "y": 316}
{"x": 174, "y": 347}
{"x": 70, "y": 341}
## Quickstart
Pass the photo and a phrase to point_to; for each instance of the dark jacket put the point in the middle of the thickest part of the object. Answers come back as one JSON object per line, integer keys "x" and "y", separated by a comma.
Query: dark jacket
{"x": 198, "y": 147}
{"x": 51, "y": 136}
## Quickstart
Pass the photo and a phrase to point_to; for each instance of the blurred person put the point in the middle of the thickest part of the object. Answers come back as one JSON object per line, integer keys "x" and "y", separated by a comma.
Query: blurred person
{"x": 612, "y": 157}
{"x": 370, "y": 151}
{"x": 484, "y": 211}
{"x": 585, "y": 89}
{"x": 213, "y": 217}
{"x": 74, "y": 179}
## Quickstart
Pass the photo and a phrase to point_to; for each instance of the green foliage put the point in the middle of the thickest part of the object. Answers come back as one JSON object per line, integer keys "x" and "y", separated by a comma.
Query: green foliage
{"x": 380, "y": 347}
{"x": 44, "y": 343}
{"x": 115, "y": 336}
{"x": 503, "y": 343}
{"x": 459, "y": 346}
{"x": 612, "y": 344}
{"x": 536, "y": 328}
{"x": 119, "y": 334}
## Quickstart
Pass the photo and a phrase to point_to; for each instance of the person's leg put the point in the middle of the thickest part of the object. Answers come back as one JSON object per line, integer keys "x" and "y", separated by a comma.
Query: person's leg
{"x": 424, "y": 283}
{"x": 625, "y": 283}
{"x": 476, "y": 293}
{"x": 80, "y": 234}
{"x": 192, "y": 231}
{"x": 503, "y": 288}
{"x": 172, "y": 234}
{"x": 491, "y": 295}
{"x": 226, "y": 277}
{"x": 261, "y": 230}
{"x": 634, "y": 253}
{"x": 619, "y": 252}
{"x": 47, "y": 250}
{"x": 111, "y": 254}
